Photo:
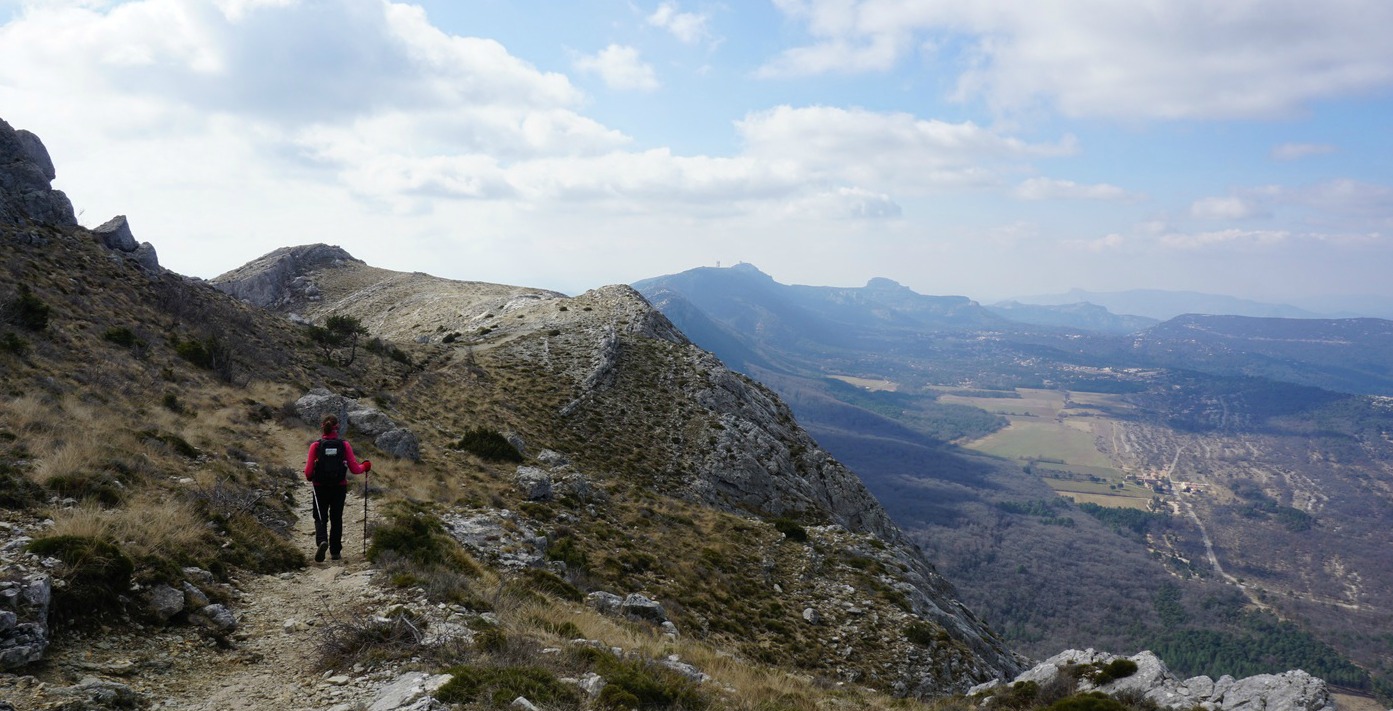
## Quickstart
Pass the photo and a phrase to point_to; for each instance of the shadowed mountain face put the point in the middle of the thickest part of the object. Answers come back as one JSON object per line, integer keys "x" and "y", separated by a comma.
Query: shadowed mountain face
{"x": 1205, "y": 446}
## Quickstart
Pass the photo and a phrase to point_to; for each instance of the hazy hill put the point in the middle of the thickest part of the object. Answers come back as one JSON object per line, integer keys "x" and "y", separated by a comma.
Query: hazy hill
{"x": 1083, "y": 316}
{"x": 1348, "y": 355}
{"x": 1162, "y": 305}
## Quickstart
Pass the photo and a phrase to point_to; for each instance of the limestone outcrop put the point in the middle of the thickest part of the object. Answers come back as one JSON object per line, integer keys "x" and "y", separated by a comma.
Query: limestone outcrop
{"x": 26, "y": 176}
{"x": 1290, "y": 691}
{"x": 115, "y": 234}
{"x": 385, "y": 433}
{"x": 280, "y": 277}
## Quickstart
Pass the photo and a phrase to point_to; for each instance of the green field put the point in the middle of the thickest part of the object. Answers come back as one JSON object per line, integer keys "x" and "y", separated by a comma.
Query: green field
{"x": 1057, "y": 443}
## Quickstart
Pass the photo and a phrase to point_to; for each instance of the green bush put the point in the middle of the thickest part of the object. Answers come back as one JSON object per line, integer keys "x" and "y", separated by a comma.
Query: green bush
{"x": 640, "y": 684}
{"x": 488, "y": 444}
{"x": 28, "y": 311}
{"x": 498, "y": 686}
{"x": 17, "y": 491}
{"x": 1114, "y": 670}
{"x": 790, "y": 528}
{"x": 86, "y": 485}
{"x": 96, "y": 574}
{"x": 14, "y": 345}
{"x": 121, "y": 336}
{"x": 547, "y": 582}
{"x": 923, "y": 633}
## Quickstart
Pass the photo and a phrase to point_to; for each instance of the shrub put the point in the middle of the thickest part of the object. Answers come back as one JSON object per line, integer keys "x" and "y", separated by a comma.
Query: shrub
{"x": 498, "y": 686}
{"x": 382, "y": 348}
{"x": 121, "y": 336}
{"x": 28, "y": 311}
{"x": 1114, "y": 670}
{"x": 14, "y": 345}
{"x": 790, "y": 528}
{"x": 97, "y": 486}
{"x": 923, "y": 633}
{"x": 17, "y": 491}
{"x": 547, "y": 582}
{"x": 488, "y": 444}
{"x": 96, "y": 574}
{"x": 640, "y": 684}
{"x": 398, "y": 636}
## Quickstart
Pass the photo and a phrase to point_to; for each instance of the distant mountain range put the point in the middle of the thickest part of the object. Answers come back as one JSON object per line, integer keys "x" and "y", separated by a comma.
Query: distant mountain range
{"x": 1163, "y": 305}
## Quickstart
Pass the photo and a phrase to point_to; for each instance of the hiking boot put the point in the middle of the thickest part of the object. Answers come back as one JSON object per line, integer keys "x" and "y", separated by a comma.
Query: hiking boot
{"x": 319, "y": 552}
{"x": 336, "y": 556}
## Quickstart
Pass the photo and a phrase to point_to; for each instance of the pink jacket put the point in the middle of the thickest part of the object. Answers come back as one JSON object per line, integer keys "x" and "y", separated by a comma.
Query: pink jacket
{"x": 353, "y": 464}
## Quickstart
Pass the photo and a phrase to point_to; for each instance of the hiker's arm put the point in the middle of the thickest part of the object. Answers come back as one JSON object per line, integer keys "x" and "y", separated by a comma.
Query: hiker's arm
{"x": 354, "y": 465}
{"x": 309, "y": 461}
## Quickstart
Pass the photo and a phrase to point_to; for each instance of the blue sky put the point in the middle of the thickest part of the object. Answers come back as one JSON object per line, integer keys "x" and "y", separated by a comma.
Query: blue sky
{"x": 987, "y": 148}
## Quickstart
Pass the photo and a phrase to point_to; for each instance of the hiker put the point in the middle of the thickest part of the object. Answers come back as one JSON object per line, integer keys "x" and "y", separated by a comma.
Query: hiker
{"x": 330, "y": 461}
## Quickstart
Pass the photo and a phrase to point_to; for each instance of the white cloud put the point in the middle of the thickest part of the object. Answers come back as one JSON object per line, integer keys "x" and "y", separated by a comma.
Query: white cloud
{"x": 1181, "y": 59}
{"x": 886, "y": 150}
{"x": 620, "y": 68}
{"x": 1235, "y": 238}
{"x": 1224, "y": 208}
{"x": 688, "y": 27}
{"x": 1106, "y": 243}
{"x": 1049, "y": 189}
{"x": 1296, "y": 151}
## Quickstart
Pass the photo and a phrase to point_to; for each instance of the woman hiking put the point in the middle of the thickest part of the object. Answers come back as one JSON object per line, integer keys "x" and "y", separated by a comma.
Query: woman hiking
{"x": 330, "y": 461}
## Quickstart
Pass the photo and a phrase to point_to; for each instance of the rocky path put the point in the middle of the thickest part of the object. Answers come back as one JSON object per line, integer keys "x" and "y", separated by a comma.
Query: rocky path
{"x": 281, "y": 624}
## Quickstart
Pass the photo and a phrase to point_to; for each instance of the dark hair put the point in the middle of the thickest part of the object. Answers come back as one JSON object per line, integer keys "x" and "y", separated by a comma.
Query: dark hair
{"x": 329, "y": 424}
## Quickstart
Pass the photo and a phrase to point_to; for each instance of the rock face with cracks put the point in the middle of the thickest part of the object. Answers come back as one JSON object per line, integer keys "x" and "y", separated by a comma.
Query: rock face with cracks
{"x": 26, "y": 176}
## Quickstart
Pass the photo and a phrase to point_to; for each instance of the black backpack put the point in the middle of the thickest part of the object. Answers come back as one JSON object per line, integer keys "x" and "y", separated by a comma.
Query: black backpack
{"x": 330, "y": 462}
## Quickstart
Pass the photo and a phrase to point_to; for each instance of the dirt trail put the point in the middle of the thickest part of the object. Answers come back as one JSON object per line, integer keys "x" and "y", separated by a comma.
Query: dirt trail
{"x": 280, "y": 625}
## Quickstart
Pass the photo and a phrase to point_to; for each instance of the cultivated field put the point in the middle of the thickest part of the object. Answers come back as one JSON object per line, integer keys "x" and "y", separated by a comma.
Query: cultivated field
{"x": 1054, "y": 435}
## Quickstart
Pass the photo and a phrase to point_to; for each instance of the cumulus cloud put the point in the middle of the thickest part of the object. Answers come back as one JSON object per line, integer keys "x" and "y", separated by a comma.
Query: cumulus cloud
{"x": 687, "y": 27}
{"x": 1297, "y": 151}
{"x": 620, "y": 67}
{"x": 1049, "y": 189}
{"x": 1186, "y": 59}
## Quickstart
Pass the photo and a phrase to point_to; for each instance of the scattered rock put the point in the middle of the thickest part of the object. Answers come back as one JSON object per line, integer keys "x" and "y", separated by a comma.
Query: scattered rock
{"x": 636, "y": 605}
{"x": 408, "y": 689}
{"x": 534, "y": 483}
{"x": 92, "y": 694}
{"x": 164, "y": 602}
{"x": 1290, "y": 691}
{"x": 217, "y": 618}
{"x": 811, "y": 616}
{"x": 399, "y": 443}
{"x": 605, "y": 602}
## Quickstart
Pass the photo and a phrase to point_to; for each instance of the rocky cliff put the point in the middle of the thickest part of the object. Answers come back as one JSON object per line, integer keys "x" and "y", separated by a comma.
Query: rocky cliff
{"x": 26, "y": 177}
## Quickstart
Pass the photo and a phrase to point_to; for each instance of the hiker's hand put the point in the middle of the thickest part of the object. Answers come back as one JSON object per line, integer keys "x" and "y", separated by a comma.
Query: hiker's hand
{"x": 367, "y": 465}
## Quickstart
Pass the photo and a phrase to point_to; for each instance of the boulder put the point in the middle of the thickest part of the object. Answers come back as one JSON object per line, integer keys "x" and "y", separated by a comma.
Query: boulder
{"x": 1289, "y": 691}
{"x": 164, "y": 602}
{"x": 216, "y": 618}
{"x": 534, "y": 483}
{"x": 399, "y": 443}
{"x": 93, "y": 694}
{"x": 26, "y": 174}
{"x": 408, "y": 690}
{"x": 640, "y": 606}
{"x": 116, "y": 234}
{"x": 24, "y": 606}
{"x": 605, "y": 602}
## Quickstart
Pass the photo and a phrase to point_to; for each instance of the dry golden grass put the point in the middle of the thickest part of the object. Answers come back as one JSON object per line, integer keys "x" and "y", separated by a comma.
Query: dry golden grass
{"x": 146, "y": 527}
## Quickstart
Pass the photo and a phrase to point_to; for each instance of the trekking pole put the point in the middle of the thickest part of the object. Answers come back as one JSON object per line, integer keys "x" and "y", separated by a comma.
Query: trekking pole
{"x": 365, "y": 512}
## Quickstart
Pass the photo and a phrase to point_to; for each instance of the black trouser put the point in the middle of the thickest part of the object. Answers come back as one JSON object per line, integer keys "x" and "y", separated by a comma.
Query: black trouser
{"x": 328, "y": 510}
